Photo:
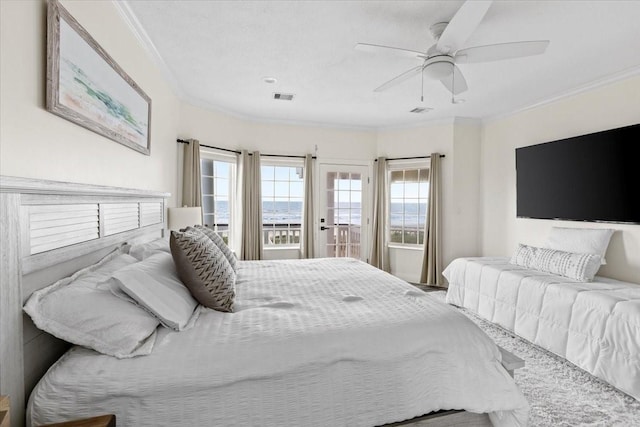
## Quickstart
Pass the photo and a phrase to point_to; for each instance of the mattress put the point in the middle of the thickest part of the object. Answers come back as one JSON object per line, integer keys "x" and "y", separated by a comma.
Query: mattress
{"x": 321, "y": 342}
{"x": 594, "y": 325}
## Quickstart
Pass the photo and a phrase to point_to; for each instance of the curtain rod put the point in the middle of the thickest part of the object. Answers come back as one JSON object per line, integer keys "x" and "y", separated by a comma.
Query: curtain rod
{"x": 183, "y": 141}
{"x": 410, "y": 158}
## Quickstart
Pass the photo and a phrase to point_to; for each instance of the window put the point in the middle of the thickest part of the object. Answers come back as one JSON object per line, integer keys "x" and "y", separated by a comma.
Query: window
{"x": 218, "y": 172}
{"x": 282, "y": 199}
{"x": 408, "y": 199}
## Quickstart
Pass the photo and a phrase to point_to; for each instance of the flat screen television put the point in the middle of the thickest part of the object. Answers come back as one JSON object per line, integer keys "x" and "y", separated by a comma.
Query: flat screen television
{"x": 594, "y": 177}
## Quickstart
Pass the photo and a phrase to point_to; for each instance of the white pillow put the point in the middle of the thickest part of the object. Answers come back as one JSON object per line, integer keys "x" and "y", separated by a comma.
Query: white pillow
{"x": 145, "y": 250}
{"x": 154, "y": 284}
{"x": 581, "y": 267}
{"x": 76, "y": 309}
{"x": 580, "y": 240}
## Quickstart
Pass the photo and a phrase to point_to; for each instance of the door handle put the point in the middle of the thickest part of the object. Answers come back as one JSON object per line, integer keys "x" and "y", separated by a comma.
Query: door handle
{"x": 323, "y": 228}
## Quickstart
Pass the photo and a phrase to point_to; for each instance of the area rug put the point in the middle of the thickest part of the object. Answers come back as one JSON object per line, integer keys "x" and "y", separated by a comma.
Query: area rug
{"x": 559, "y": 393}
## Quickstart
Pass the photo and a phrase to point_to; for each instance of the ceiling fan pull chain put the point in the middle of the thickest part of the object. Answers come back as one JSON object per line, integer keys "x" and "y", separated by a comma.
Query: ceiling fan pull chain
{"x": 453, "y": 85}
{"x": 422, "y": 93}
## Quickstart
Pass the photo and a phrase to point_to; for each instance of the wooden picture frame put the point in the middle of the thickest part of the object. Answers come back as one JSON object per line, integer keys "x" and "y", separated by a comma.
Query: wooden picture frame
{"x": 87, "y": 87}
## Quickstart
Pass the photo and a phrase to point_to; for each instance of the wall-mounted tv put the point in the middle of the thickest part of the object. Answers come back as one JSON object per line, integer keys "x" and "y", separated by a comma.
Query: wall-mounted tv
{"x": 594, "y": 177}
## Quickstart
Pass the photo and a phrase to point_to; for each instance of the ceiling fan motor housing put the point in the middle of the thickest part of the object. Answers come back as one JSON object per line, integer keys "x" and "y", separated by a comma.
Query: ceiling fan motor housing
{"x": 438, "y": 67}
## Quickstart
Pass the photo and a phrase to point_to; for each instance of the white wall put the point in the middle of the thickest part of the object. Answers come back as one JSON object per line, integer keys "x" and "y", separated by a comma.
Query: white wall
{"x": 221, "y": 130}
{"x": 604, "y": 108}
{"x": 37, "y": 144}
{"x": 464, "y": 215}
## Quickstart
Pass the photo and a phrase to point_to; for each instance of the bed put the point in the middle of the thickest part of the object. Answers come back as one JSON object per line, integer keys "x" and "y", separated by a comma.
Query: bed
{"x": 594, "y": 325}
{"x": 311, "y": 342}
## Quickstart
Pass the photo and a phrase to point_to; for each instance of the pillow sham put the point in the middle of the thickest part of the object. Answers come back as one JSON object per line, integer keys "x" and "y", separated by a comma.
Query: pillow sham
{"x": 142, "y": 251}
{"x": 215, "y": 238}
{"x": 77, "y": 310}
{"x": 581, "y": 267}
{"x": 204, "y": 269}
{"x": 154, "y": 284}
{"x": 580, "y": 240}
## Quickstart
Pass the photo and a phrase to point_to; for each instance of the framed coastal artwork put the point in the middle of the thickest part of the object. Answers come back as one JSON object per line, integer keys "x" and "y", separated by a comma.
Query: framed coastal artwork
{"x": 86, "y": 86}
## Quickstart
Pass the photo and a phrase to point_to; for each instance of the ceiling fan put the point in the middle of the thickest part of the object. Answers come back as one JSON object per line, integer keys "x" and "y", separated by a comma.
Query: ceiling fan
{"x": 439, "y": 61}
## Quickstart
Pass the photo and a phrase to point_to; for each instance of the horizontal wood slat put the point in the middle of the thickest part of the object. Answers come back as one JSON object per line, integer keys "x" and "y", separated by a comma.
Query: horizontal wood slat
{"x": 113, "y": 217}
{"x": 114, "y": 228}
{"x": 36, "y": 209}
{"x": 117, "y": 230}
{"x": 90, "y": 233}
{"x": 55, "y": 223}
{"x": 57, "y": 226}
{"x": 116, "y": 206}
{"x": 74, "y": 226}
{"x": 119, "y": 217}
{"x": 150, "y": 213}
{"x": 36, "y": 249}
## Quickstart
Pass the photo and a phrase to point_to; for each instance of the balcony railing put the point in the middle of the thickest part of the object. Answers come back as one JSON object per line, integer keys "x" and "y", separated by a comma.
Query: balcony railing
{"x": 281, "y": 234}
{"x": 405, "y": 235}
{"x": 343, "y": 240}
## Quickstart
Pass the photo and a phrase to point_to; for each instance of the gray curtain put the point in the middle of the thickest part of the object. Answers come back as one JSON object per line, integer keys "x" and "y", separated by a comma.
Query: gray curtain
{"x": 251, "y": 241}
{"x": 308, "y": 223}
{"x": 432, "y": 262}
{"x": 379, "y": 255}
{"x": 191, "y": 177}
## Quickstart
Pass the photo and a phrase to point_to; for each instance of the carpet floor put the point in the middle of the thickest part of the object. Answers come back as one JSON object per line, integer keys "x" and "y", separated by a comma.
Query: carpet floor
{"x": 560, "y": 393}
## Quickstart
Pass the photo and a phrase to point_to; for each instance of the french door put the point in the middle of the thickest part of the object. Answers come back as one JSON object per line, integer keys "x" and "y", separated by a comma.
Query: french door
{"x": 344, "y": 211}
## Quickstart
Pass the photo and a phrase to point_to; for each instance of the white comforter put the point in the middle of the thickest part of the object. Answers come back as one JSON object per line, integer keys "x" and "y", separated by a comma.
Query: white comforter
{"x": 323, "y": 342}
{"x": 594, "y": 325}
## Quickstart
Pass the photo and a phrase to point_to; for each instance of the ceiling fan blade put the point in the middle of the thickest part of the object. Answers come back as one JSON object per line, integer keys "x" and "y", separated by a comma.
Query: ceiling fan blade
{"x": 399, "y": 79}
{"x": 462, "y": 25}
{"x": 497, "y": 52}
{"x": 375, "y": 48}
{"x": 455, "y": 83}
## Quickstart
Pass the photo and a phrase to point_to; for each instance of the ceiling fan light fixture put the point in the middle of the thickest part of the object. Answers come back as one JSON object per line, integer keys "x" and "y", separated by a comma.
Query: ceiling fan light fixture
{"x": 438, "y": 68}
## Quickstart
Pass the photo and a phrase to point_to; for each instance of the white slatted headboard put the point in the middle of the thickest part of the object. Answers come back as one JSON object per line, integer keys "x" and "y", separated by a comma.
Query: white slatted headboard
{"x": 48, "y": 230}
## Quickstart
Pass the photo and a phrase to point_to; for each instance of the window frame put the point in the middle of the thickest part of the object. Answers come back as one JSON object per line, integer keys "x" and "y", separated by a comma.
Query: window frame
{"x": 286, "y": 162}
{"x": 232, "y": 160}
{"x": 403, "y": 165}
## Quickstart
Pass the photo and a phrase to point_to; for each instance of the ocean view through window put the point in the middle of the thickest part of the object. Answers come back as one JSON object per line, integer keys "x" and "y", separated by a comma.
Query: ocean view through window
{"x": 408, "y": 199}
{"x": 282, "y": 199}
{"x": 217, "y": 182}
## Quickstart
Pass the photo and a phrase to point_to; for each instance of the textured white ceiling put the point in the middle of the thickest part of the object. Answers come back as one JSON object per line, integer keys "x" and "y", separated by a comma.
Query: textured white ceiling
{"x": 218, "y": 52}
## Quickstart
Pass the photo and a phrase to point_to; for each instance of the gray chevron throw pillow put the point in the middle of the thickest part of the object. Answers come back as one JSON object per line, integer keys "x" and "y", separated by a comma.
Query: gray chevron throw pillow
{"x": 204, "y": 269}
{"x": 215, "y": 237}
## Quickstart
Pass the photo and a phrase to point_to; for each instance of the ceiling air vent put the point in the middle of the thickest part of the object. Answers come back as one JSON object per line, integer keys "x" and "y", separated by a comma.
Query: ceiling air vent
{"x": 420, "y": 110}
{"x": 283, "y": 96}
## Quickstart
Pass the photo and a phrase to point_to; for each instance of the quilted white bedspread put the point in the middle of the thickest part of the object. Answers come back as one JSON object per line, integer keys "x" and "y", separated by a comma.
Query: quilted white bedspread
{"x": 594, "y": 325}
{"x": 322, "y": 342}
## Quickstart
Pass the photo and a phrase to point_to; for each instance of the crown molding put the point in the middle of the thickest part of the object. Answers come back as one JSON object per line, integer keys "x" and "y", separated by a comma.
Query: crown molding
{"x": 205, "y": 105}
{"x": 586, "y": 87}
{"x": 122, "y": 6}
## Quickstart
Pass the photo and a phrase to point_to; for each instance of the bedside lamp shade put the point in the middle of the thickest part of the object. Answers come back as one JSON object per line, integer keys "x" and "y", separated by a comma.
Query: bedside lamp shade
{"x": 184, "y": 217}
